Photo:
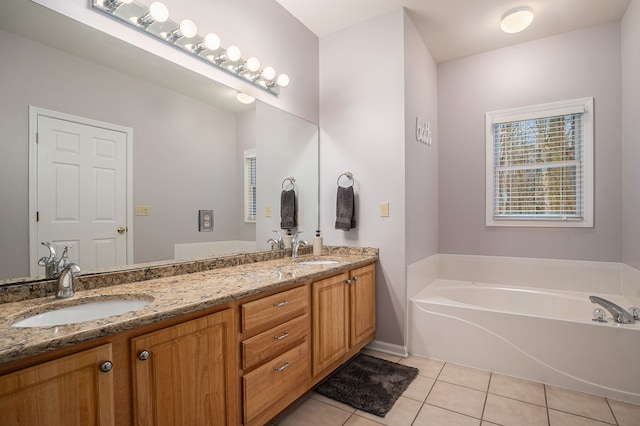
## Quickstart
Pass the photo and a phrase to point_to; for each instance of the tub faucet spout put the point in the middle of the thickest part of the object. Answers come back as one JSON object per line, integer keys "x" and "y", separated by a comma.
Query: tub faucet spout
{"x": 619, "y": 314}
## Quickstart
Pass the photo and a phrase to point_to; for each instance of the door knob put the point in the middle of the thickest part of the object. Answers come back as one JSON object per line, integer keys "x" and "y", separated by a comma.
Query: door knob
{"x": 121, "y": 230}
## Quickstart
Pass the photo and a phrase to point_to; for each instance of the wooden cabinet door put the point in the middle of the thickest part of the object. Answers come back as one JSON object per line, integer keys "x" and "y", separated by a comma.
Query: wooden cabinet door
{"x": 71, "y": 390}
{"x": 188, "y": 376}
{"x": 330, "y": 321}
{"x": 362, "y": 293}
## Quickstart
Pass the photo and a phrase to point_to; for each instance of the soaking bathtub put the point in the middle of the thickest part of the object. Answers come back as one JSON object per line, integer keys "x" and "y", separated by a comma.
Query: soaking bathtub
{"x": 537, "y": 334}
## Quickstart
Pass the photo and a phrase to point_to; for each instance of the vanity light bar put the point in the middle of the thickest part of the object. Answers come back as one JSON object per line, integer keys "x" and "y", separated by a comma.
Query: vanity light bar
{"x": 154, "y": 20}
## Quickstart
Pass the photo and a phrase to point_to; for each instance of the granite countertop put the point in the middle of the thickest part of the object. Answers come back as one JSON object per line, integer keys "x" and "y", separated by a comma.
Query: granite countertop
{"x": 170, "y": 297}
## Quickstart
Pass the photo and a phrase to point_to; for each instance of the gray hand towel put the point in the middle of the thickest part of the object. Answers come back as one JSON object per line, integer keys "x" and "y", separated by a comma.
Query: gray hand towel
{"x": 345, "y": 209}
{"x": 287, "y": 209}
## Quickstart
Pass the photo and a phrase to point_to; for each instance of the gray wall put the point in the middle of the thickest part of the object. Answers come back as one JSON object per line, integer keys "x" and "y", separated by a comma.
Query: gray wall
{"x": 362, "y": 131}
{"x": 421, "y": 161}
{"x": 631, "y": 133}
{"x": 571, "y": 65}
{"x": 171, "y": 132}
{"x": 368, "y": 128}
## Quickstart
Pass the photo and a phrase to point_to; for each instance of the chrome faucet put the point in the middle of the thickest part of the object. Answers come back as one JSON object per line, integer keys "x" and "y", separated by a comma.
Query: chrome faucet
{"x": 619, "y": 314}
{"x": 296, "y": 243}
{"x": 50, "y": 263}
{"x": 67, "y": 270}
{"x": 279, "y": 243}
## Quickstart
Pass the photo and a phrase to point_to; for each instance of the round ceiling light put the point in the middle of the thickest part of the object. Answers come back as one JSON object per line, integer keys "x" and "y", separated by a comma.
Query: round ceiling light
{"x": 244, "y": 98}
{"x": 516, "y": 20}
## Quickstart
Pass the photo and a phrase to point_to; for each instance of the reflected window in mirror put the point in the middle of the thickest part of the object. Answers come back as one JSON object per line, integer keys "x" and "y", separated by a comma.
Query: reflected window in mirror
{"x": 250, "y": 185}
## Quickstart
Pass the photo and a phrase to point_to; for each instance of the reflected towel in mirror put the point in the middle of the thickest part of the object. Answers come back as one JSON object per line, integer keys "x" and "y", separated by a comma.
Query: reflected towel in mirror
{"x": 287, "y": 209}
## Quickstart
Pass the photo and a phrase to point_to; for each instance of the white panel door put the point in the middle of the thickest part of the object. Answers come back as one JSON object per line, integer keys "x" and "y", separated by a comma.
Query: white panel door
{"x": 81, "y": 191}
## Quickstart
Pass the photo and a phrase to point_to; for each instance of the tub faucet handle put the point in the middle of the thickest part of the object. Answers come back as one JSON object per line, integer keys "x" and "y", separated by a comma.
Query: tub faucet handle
{"x": 635, "y": 313}
{"x": 599, "y": 315}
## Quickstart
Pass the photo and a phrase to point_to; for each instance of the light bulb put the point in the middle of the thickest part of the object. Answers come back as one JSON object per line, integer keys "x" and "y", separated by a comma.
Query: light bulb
{"x": 212, "y": 41}
{"x": 233, "y": 53}
{"x": 244, "y": 98}
{"x": 188, "y": 28}
{"x": 268, "y": 73}
{"x": 283, "y": 80}
{"x": 159, "y": 11}
{"x": 253, "y": 64}
{"x": 516, "y": 20}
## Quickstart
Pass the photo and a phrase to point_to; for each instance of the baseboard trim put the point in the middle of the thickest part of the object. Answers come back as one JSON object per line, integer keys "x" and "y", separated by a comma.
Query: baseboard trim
{"x": 388, "y": 348}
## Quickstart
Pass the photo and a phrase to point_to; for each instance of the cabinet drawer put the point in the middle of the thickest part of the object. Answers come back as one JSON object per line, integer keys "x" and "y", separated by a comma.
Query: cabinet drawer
{"x": 263, "y": 311}
{"x": 269, "y": 343}
{"x": 274, "y": 380}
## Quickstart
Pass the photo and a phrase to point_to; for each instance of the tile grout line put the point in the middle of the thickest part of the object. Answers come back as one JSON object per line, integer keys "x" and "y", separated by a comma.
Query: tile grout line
{"x": 612, "y": 412}
{"x": 486, "y": 397}
{"x": 546, "y": 404}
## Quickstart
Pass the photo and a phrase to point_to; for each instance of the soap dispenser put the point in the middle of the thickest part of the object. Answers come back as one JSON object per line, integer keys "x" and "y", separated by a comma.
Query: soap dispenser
{"x": 287, "y": 239}
{"x": 317, "y": 244}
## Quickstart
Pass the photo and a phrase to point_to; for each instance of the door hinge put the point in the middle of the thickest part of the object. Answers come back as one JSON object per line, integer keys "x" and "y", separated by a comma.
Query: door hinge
{"x": 37, "y": 137}
{"x": 37, "y": 216}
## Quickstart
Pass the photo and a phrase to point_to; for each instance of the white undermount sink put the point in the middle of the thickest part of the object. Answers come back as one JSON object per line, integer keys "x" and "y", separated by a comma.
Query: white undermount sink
{"x": 82, "y": 312}
{"x": 319, "y": 262}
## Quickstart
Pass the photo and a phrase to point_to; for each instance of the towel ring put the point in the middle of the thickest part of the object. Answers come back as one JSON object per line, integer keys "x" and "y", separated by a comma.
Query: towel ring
{"x": 291, "y": 180}
{"x": 348, "y": 175}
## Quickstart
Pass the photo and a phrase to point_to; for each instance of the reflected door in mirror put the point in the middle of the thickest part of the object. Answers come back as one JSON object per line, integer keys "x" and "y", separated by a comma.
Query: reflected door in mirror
{"x": 82, "y": 191}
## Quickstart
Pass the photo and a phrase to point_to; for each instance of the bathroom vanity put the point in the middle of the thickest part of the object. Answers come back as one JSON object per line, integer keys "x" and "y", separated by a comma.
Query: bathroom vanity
{"x": 234, "y": 345}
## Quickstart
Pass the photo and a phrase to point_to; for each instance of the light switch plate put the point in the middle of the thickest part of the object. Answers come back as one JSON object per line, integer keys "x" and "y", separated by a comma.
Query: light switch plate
{"x": 267, "y": 211}
{"x": 142, "y": 210}
{"x": 205, "y": 220}
{"x": 384, "y": 209}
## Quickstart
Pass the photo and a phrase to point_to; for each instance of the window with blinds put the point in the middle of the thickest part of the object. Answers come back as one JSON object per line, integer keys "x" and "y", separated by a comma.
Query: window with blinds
{"x": 250, "y": 201}
{"x": 539, "y": 165}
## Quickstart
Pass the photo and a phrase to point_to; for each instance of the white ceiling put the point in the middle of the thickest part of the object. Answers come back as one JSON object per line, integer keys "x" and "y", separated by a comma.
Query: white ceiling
{"x": 456, "y": 28}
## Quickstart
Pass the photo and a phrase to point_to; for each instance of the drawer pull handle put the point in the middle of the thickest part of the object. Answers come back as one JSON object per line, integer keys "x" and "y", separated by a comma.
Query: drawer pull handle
{"x": 285, "y": 365}
{"x": 284, "y": 302}
{"x": 286, "y": 334}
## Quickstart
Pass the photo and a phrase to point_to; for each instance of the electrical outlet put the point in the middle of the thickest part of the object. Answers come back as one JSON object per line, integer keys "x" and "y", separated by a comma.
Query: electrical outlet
{"x": 267, "y": 211}
{"x": 205, "y": 220}
{"x": 384, "y": 209}
{"x": 142, "y": 210}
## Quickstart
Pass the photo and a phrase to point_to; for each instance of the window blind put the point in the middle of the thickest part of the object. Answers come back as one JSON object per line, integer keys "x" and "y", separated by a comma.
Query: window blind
{"x": 538, "y": 169}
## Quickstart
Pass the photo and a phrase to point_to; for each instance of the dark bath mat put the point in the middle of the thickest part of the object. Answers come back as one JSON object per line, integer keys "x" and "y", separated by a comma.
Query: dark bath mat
{"x": 369, "y": 384}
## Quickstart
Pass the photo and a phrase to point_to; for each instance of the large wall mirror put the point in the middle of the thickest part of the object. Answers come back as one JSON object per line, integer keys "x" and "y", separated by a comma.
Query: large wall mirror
{"x": 189, "y": 138}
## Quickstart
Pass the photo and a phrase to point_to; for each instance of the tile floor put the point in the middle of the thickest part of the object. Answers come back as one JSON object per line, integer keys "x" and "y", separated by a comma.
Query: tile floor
{"x": 452, "y": 395}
